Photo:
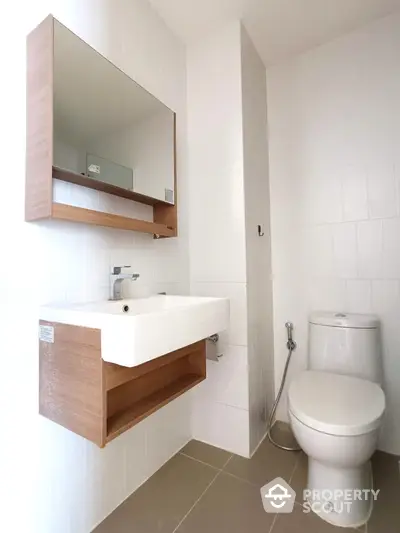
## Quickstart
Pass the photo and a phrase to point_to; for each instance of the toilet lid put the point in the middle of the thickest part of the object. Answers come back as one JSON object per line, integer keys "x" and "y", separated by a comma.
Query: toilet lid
{"x": 336, "y": 404}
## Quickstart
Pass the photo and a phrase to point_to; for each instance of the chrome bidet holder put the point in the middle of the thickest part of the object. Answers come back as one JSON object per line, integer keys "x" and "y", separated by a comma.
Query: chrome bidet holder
{"x": 291, "y": 344}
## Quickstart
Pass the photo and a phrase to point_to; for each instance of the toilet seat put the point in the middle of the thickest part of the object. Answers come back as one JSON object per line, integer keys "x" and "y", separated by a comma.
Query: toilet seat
{"x": 336, "y": 404}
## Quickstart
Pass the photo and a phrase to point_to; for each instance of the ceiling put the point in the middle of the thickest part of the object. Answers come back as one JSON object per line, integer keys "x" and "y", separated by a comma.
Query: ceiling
{"x": 279, "y": 28}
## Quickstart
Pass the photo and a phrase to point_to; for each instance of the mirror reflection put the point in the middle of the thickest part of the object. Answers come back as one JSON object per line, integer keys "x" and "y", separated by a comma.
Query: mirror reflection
{"x": 106, "y": 127}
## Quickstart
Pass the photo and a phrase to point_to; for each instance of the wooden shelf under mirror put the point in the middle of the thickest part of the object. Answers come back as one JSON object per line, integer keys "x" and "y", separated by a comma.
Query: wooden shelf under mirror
{"x": 41, "y": 170}
{"x": 100, "y": 400}
{"x": 79, "y": 179}
{"x": 99, "y": 218}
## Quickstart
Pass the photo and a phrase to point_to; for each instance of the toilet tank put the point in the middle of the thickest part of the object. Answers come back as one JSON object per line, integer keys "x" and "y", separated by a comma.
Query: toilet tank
{"x": 345, "y": 343}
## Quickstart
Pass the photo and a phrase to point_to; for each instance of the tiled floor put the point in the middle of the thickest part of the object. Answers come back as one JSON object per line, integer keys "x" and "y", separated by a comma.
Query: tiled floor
{"x": 205, "y": 489}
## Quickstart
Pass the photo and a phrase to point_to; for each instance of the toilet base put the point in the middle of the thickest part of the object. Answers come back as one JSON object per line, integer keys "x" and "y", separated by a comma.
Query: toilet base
{"x": 341, "y": 511}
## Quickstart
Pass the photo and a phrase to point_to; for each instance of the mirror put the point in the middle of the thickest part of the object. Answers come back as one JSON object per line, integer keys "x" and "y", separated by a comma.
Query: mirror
{"x": 107, "y": 129}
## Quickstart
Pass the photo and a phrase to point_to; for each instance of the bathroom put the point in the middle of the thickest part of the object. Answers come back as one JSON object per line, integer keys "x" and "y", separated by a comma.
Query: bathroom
{"x": 288, "y": 121}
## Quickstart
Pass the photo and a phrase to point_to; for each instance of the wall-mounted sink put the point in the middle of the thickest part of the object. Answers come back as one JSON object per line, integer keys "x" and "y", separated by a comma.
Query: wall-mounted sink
{"x": 134, "y": 331}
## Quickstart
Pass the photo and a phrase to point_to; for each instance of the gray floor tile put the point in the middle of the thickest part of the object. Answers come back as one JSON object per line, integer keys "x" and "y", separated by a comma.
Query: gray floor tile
{"x": 282, "y": 434}
{"x": 266, "y": 464}
{"x": 386, "y": 514}
{"x": 207, "y": 454}
{"x": 161, "y": 503}
{"x": 300, "y": 522}
{"x": 298, "y": 481}
{"x": 230, "y": 505}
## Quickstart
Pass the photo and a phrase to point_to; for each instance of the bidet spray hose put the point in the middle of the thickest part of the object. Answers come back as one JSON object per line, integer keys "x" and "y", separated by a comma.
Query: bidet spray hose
{"x": 291, "y": 346}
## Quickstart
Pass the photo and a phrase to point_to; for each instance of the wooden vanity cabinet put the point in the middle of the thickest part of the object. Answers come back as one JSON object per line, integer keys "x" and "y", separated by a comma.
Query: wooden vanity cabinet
{"x": 100, "y": 400}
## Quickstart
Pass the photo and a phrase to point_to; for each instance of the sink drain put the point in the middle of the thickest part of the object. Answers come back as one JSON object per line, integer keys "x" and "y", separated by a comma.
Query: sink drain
{"x": 125, "y": 308}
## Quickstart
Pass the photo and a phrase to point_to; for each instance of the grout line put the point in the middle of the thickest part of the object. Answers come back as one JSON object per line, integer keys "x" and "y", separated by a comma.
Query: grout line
{"x": 299, "y": 504}
{"x": 228, "y": 460}
{"x": 241, "y": 479}
{"x": 198, "y": 499}
{"x": 202, "y": 462}
{"x": 273, "y": 523}
{"x": 222, "y": 469}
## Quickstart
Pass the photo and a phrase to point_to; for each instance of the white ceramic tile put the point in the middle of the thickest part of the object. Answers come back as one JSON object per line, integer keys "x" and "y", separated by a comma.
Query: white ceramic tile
{"x": 355, "y": 201}
{"x": 345, "y": 250}
{"x": 106, "y": 475}
{"x": 217, "y": 228}
{"x": 221, "y": 425}
{"x": 328, "y": 204}
{"x": 385, "y": 299}
{"x": 312, "y": 146}
{"x": 369, "y": 248}
{"x": 361, "y": 145}
{"x": 358, "y": 296}
{"x": 173, "y": 268}
{"x": 259, "y": 407}
{"x": 381, "y": 190}
{"x": 67, "y": 462}
{"x": 124, "y": 207}
{"x": 138, "y": 469}
{"x": 236, "y": 292}
{"x": 321, "y": 258}
{"x": 227, "y": 380}
{"x": 83, "y": 197}
{"x": 397, "y": 177}
{"x": 391, "y": 248}
{"x": 168, "y": 430}
{"x": 61, "y": 192}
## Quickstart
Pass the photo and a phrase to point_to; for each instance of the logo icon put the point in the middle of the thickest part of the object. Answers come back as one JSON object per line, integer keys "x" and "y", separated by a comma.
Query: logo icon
{"x": 277, "y": 496}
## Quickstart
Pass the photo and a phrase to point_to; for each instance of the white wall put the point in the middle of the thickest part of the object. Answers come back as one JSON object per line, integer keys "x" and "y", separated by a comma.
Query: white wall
{"x": 217, "y": 229}
{"x": 228, "y": 173}
{"x": 54, "y": 480}
{"x": 258, "y": 249}
{"x": 65, "y": 155}
{"x": 147, "y": 147}
{"x": 334, "y": 135}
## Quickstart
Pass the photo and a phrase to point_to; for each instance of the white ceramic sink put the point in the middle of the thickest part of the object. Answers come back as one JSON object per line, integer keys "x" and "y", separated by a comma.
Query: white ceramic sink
{"x": 134, "y": 331}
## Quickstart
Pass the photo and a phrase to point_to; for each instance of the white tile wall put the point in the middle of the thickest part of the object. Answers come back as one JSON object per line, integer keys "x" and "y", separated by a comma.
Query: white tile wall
{"x": 391, "y": 248}
{"x": 258, "y": 249}
{"x": 221, "y": 425}
{"x": 354, "y": 189}
{"x": 381, "y": 189}
{"x": 358, "y": 296}
{"x": 217, "y": 228}
{"x": 344, "y": 250}
{"x": 335, "y": 192}
{"x": 68, "y": 484}
{"x": 369, "y": 249}
{"x": 227, "y": 381}
{"x": 228, "y": 166}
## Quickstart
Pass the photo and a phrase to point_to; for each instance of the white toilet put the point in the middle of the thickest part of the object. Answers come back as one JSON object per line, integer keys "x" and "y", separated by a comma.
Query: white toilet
{"x": 336, "y": 409}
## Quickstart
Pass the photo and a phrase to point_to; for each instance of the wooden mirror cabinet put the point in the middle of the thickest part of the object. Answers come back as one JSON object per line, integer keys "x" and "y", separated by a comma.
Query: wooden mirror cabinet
{"x": 41, "y": 170}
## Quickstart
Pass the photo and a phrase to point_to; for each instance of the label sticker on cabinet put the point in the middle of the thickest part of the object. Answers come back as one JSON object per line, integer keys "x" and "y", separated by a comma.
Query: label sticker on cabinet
{"x": 169, "y": 196}
{"x": 94, "y": 168}
{"x": 46, "y": 334}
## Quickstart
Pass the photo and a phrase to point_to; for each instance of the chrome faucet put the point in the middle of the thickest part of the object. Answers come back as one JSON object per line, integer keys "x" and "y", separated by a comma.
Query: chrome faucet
{"x": 116, "y": 279}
